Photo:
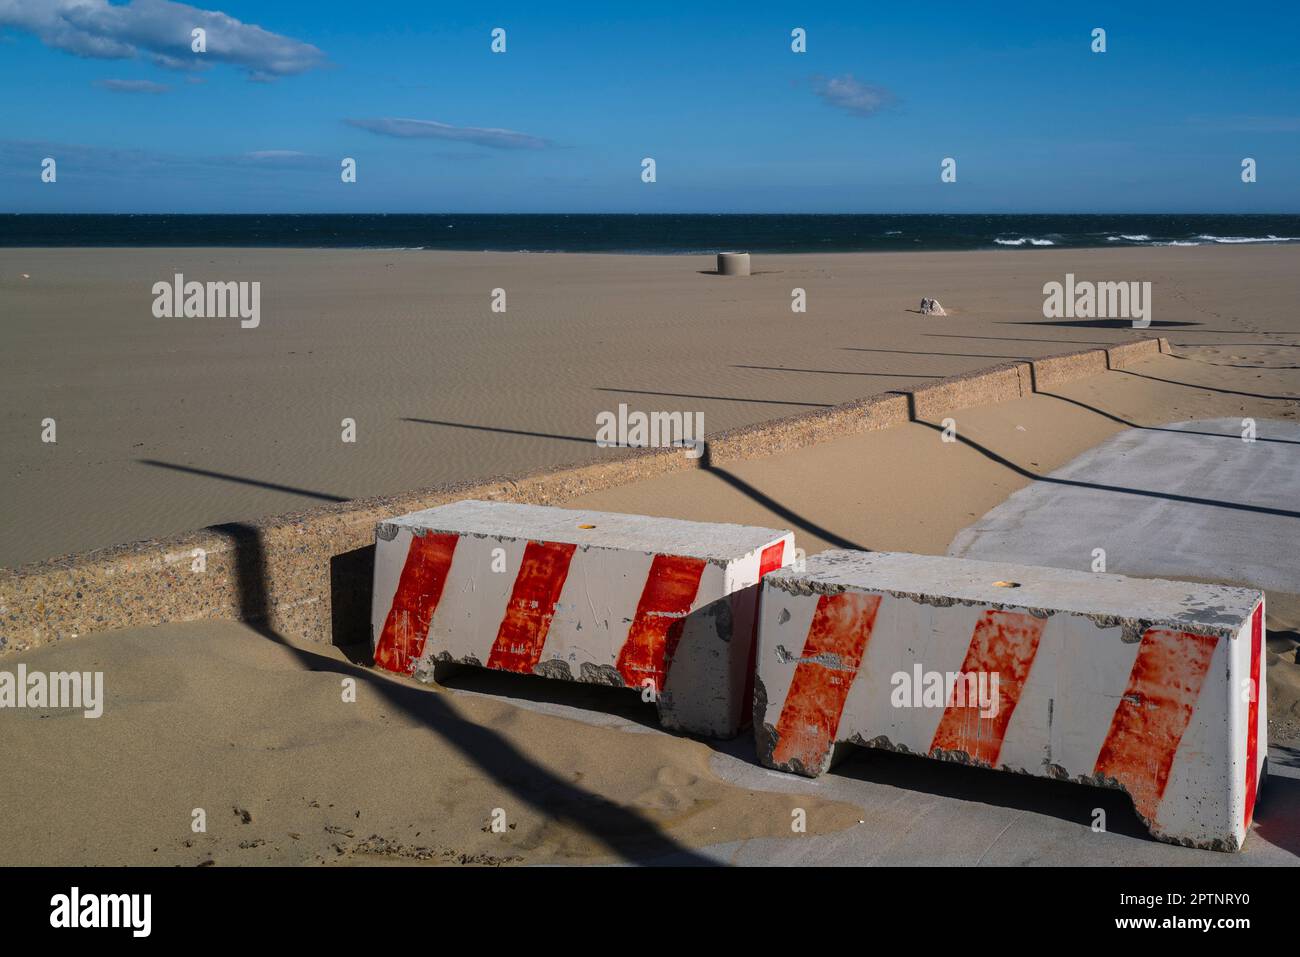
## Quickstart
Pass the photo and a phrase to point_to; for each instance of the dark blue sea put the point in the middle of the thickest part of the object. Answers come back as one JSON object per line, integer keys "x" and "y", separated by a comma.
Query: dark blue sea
{"x": 657, "y": 233}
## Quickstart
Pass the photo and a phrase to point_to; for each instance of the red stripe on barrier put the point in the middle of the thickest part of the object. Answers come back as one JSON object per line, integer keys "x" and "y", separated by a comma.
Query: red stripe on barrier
{"x": 670, "y": 589}
{"x": 519, "y": 642}
{"x": 1156, "y": 708}
{"x": 1252, "y": 719}
{"x": 419, "y": 588}
{"x": 769, "y": 561}
{"x": 840, "y": 629}
{"x": 771, "y": 558}
{"x": 1004, "y": 643}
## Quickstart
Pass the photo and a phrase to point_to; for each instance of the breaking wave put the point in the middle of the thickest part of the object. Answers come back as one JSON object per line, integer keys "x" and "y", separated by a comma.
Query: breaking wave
{"x": 1248, "y": 239}
{"x": 1025, "y": 239}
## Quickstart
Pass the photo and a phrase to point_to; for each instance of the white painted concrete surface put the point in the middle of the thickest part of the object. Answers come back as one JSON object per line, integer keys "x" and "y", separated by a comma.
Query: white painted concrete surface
{"x": 1185, "y": 500}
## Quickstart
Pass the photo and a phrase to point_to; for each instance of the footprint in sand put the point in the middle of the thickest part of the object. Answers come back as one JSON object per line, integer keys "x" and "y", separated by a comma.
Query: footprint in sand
{"x": 668, "y": 796}
{"x": 672, "y": 777}
{"x": 663, "y": 800}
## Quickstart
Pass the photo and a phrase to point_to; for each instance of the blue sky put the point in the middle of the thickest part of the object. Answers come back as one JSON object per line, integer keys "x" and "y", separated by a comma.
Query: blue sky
{"x": 735, "y": 121}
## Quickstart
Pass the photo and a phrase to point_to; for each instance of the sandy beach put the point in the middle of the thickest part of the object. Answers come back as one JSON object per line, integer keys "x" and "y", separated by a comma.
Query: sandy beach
{"x": 165, "y": 425}
{"x": 252, "y": 728}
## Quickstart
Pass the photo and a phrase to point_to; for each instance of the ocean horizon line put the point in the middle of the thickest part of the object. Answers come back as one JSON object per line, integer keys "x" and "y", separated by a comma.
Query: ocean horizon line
{"x": 661, "y": 213}
{"x": 649, "y": 233}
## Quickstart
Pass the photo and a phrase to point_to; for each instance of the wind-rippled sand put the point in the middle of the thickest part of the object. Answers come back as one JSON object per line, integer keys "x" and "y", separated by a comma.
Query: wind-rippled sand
{"x": 164, "y": 425}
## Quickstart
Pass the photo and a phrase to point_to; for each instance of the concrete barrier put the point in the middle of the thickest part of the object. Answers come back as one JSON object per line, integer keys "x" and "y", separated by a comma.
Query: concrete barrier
{"x": 1054, "y": 370}
{"x": 1154, "y": 687}
{"x": 733, "y": 264}
{"x": 622, "y": 600}
{"x": 999, "y": 383}
{"x": 306, "y": 574}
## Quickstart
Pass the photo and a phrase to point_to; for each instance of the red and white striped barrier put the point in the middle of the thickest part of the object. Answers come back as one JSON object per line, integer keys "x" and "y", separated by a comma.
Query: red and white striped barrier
{"x": 655, "y": 604}
{"x": 1155, "y": 687}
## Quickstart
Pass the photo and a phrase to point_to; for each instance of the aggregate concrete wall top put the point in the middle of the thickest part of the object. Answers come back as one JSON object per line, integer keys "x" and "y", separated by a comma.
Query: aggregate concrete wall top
{"x": 307, "y": 574}
{"x": 1056, "y": 369}
{"x": 1000, "y": 383}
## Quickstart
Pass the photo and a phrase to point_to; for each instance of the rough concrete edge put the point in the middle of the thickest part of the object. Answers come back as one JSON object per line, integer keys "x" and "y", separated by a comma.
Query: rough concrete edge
{"x": 282, "y": 570}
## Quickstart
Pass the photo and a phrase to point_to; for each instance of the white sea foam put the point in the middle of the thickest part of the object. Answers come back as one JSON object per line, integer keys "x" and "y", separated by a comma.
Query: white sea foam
{"x": 1021, "y": 241}
{"x": 1270, "y": 238}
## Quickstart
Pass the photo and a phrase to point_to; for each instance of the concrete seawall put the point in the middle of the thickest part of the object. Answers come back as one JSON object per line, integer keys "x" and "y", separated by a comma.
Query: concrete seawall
{"x": 307, "y": 574}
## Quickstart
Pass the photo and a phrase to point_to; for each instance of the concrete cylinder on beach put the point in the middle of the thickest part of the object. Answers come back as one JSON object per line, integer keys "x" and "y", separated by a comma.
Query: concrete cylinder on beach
{"x": 733, "y": 264}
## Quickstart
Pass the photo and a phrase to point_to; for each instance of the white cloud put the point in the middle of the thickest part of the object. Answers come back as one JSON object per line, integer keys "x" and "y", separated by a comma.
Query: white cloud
{"x": 424, "y": 129}
{"x": 103, "y": 162}
{"x": 847, "y": 93}
{"x": 283, "y": 159}
{"x": 132, "y": 86}
{"x": 161, "y": 31}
